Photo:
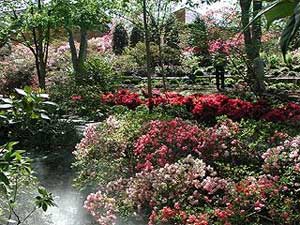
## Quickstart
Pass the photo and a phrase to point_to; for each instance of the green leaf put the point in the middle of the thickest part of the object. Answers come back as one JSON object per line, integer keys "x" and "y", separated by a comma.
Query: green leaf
{"x": 21, "y": 92}
{"x": 290, "y": 30}
{"x": 46, "y": 96}
{"x": 6, "y": 106}
{"x": 281, "y": 9}
{"x": 45, "y": 116}
{"x": 7, "y": 100}
{"x": 42, "y": 191}
{"x": 4, "y": 179}
{"x": 50, "y": 103}
{"x": 44, "y": 207}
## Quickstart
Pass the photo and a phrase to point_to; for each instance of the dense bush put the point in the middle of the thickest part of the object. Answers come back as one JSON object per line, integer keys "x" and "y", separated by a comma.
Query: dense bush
{"x": 30, "y": 118}
{"x": 99, "y": 71}
{"x": 15, "y": 76}
{"x": 136, "y": 36}
{"x": 104, "y": 153}
{"x": 78, "y": 100}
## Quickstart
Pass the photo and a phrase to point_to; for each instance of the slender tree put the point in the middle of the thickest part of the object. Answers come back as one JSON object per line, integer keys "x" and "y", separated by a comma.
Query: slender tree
{"x": 252, "y": 33}
{"x": 148, "y": 55}
{"x": 81, "y": 16}
{"x": 29, "y": 23}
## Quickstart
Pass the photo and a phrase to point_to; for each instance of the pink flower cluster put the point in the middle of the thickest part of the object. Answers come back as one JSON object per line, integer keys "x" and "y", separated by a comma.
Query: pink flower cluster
{"x": 283, "y": 158}
{"x": 102, "y": 208}
{"x": 102, "y": 44}
{"x": 167, "y": 141}
{"x": 189, "y": 182}
{"x": 226, "y": 47}
{"x": 91, "y": 138}
{"x": 76, "y": 98}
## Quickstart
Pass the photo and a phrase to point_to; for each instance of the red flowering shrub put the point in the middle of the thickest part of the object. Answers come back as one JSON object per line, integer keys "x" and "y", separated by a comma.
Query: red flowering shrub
{"x": 122, "y": 97}
{"x": 208, "y": 107}
{"x": 289, "y": 112}
{"x": 236, "y": 109}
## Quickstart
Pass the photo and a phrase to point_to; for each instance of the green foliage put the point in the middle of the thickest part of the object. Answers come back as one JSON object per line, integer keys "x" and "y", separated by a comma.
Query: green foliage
{"x": 274, "y": 61}
{"x": 15, "y": 174}
{"x": 199, "y": 35}
{"x": 170, "y": 56}
{"x": 257, "y": 135}
{"x": 282, "y": 9}
{"x": 29, "y": 106}
{"x": 119, "y": 39}
{"x": 99, "y": 71}
{"x": 85, "y": 14}
{"x": 79, "y": 100}
{"x": 31, "y": 118}
{"x": 172, "y": 33}
{"x": 136, "y": 36}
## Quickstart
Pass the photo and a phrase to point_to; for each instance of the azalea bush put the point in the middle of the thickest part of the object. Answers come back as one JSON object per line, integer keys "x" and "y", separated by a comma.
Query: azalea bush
{"x": 105, "y": 152}
{"x": 167, "y": 141}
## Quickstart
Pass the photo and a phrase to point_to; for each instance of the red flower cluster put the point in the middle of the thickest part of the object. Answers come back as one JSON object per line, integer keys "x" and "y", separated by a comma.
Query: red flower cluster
{"x": 122, "y": 97}
{"x": 208, "y": 107}
{"x": 76, "y": 97}
{"x": 289, "y": 112}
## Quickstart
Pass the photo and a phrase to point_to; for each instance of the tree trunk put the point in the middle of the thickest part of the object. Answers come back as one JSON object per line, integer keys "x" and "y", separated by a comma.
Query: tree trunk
{"x": 252, "y": 39}
{"x": 162, "y": 66}
{"x": 245, "y": 7}
{"x": 82, "y": 52}
{"x": 42, "y": 75}
{"x": 78, "y": 59}
{"x": 148, "y": 55}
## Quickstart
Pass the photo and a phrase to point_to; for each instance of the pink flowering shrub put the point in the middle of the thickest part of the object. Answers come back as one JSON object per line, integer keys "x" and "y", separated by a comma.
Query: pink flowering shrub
{"x": 105, "y": 152}
{"x": 181, "y": 173}
{"x": 167, "y": 141}
{"x": 284, "y": 160}
{"x": 169, "y": 191}
{"x": 102, "y": 208}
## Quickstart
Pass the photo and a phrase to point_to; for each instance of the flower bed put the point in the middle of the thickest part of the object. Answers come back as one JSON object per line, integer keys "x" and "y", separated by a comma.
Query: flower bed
{"x": 165, "y": 170}
{"x": 208, "y": 107}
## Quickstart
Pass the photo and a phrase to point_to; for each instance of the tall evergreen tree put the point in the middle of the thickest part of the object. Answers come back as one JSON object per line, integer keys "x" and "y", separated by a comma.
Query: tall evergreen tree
{"x": 172, "y": 33}
{"x": 136, "y": 36}
{"x": 199, "y": 36}
{"x": 120, "y": 39}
